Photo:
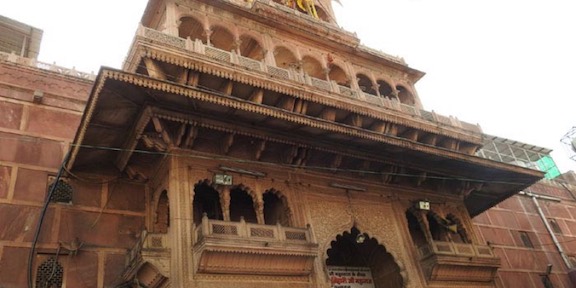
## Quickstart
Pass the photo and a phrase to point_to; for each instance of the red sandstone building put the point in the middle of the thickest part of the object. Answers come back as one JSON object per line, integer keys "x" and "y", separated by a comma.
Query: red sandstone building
{"x": 251, "y": 144}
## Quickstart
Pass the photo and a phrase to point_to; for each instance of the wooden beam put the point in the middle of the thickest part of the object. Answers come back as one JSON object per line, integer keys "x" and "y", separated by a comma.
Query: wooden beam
{"x": 328, "y": 114}
{"x": 227, "y": 143}
{"x": 257, "y": 96}
{"x": 259, "y": 149}
{"x": 154, "y": 69}
{"x": 227, "y": 87}
{"x": 336, "y": 161}
{"x": 301, "y": 106}
{"x": 190, "y": 137}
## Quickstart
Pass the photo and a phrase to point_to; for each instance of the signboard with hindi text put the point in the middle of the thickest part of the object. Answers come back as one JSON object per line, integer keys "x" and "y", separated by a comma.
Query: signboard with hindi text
{"x": 350, "y": 277}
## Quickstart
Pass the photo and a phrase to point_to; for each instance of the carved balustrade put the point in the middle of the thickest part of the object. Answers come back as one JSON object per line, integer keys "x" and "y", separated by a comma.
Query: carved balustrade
{"x": 197, "y": 47}
{"x": 448, "y": 261}
{"x": 245, "y": 248}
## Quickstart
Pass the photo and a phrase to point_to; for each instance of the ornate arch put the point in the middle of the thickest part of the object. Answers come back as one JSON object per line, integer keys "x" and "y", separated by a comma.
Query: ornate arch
{"x": 285, "y": 203}
{"x": 350, "y": 230}
{"x": 248, "y": 190}
{"x": 162, "y": 213}
{"x": 250, "y": 46}
{"x": 222, "y": 37}
{"x": 209, "y": 183}
{"x": 338, "y": 73}
{"x": 314, "y": 67}
{"x": 198, "y": 210}
{"x": 186, "y": 22}
{"x": 285, "y": 57}
{"x": 257, "y": 204}
{"x": 387, "y": 90}
{"x": 366, "y": 83}
{"x": 405, "y": 94}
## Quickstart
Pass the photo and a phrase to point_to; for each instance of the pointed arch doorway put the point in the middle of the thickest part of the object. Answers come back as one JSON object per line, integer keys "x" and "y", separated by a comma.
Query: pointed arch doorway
{"x": 357, "y": 260}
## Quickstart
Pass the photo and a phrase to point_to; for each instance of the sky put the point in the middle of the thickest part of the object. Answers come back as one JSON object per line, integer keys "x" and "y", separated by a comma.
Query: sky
{"x": 506, "y": 65}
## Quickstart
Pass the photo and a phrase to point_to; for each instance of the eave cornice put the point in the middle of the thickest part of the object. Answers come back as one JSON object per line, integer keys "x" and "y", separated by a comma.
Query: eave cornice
{"x": 241, "y": 104}
{"x": 300, "y": 91}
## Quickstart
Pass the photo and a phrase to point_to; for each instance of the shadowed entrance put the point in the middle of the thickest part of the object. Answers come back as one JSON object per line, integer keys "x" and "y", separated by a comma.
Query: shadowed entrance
{"x": 356, "y": 249}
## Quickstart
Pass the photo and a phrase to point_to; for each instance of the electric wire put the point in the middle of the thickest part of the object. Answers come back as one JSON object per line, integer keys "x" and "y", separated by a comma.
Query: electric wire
{"x": 219, "y": 93}
{"x": 32, "y": 253}
{"x": 64, "y": 169}
{"x": 236, "y": 160}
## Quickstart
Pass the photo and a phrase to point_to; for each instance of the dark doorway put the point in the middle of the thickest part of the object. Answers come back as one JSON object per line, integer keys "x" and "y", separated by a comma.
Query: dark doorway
{"x": 356, "y": 249}
{"x": 206, "y": 200}
{"x": 242, "y": 205}
{"x": 275, "y": 209}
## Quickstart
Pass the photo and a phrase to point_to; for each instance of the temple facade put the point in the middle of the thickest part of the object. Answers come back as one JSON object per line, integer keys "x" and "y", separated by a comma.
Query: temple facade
{"x": 243, "y": 144}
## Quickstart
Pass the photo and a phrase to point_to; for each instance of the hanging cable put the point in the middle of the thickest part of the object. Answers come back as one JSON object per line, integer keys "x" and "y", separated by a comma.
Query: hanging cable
{"x": 41, "y": 219}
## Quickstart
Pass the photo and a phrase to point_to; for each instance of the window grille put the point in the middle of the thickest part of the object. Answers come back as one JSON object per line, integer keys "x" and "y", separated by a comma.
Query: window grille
{"x": 62, "y": 193}
{"x": 526, "y": 239}
{"x": 554, "y": 226}
{"x": 50, "y": 274}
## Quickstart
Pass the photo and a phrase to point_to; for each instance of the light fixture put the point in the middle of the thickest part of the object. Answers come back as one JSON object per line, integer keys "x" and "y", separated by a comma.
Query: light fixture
{"x": 223, "y": 179}
{"x": 347, "y": 187}
{"x": 360, "y": 238}
{"x": 243, "y": 171}
{"x": 423, "y": 205}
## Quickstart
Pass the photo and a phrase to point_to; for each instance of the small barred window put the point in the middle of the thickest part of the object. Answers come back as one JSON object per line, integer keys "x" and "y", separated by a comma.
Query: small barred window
{"x": 49, "y": 274}
{"x": 62, "y": 193}
{"x": 526, "y": 239}
{"x": 555, "y": 227}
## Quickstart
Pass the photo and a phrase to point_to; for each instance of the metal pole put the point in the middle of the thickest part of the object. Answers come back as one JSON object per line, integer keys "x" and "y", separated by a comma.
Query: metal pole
{"x": 547, "y": 225}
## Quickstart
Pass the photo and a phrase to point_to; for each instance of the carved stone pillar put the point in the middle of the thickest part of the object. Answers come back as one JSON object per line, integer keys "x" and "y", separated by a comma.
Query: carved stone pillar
{"x": 171, "y": 24}
{"x": 208, "y": 33}
{"x": 225, "y": 202}
{"x": 259, "y": 208}
{"x": 181, "y": 261}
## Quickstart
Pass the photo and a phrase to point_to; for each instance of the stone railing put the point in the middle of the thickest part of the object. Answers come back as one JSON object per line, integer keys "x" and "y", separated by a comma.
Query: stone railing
{"x": 242, "y": 229}
{"x": 11, "y": 57}
{"x": 196, "y": 46}
{"x": 455, "y": 249}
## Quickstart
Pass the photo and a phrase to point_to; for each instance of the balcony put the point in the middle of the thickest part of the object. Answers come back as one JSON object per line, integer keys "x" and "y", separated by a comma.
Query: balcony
{"x": 244, "y": 248}
{"x": 198, "y": 48}
{"x": 448, "y": 261}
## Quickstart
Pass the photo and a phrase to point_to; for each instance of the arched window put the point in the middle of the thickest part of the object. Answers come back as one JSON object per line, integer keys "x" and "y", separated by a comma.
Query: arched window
{"x": 275, "y": 209}
{"x": 162, "y": 214}
{"x": 415, "y": 228}
{"x": 405, "y": 96}
{"x": 242, "y": 205}
{"x": 313, "y": 68}
{"x": 437, "y": 226}
{"x": 190, "y": 27}
{"x": 365, "y": 84}
{"x": 337, "y": 74}
{"x": 206, "y": 200}
{"x": 250, "y": 48}
{"x": 285, "y": 58}
{"x": 221, "y": 38}
{"x": 385, "y": 89}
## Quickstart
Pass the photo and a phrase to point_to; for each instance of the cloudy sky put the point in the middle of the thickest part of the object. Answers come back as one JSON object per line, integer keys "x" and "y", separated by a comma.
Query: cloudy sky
{"x": 507, "y": 65}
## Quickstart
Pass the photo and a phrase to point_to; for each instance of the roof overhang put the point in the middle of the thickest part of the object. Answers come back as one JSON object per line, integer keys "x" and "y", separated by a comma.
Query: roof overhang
{"x": 121, "y": 104}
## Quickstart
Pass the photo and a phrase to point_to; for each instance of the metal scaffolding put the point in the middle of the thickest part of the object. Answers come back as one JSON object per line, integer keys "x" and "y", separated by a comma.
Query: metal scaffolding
{"x": 519, "y": 154}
